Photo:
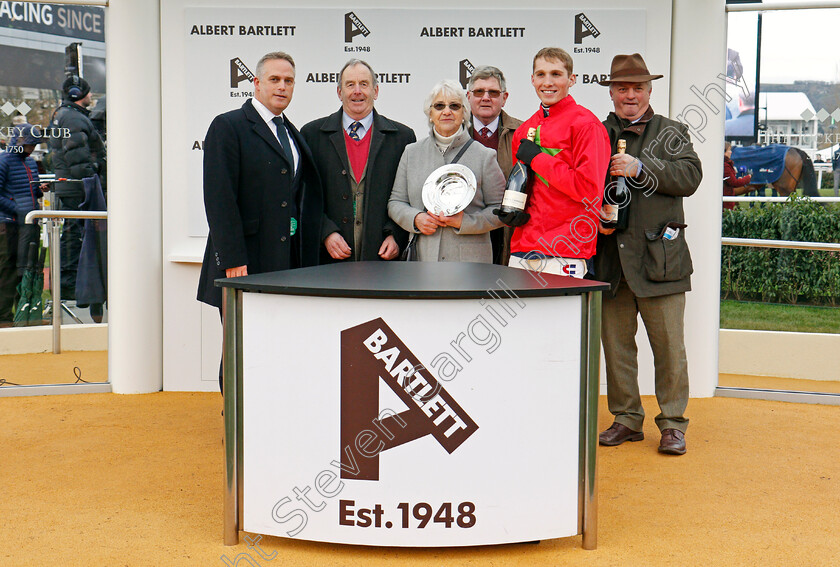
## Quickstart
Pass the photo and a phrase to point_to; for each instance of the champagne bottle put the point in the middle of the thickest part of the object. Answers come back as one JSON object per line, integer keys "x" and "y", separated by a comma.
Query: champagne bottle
{"x": 517, "y": 184}
{"x": 617, "y": 199}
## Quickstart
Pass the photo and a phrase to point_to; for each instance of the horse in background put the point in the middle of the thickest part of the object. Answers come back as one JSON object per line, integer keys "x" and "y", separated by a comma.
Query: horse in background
{"x": 798, "y": 170}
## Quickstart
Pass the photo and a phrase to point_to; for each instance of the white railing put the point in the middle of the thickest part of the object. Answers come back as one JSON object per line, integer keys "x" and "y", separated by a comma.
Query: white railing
{"x": 743, "y": 199}
{"x": 55, "y": 260}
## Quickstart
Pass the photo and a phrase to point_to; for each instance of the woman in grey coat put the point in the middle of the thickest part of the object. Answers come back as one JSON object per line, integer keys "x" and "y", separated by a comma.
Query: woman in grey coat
{"x": 463, "y": 237}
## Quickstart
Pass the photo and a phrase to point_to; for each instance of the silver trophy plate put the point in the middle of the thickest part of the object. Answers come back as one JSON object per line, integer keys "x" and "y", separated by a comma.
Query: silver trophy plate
{"x": 449, "y": 189}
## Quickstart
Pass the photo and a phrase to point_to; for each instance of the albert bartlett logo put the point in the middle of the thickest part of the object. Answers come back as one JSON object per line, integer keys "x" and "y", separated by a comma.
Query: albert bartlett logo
{"x": 354, "y": 26}
{"x": 465, "y": 71}
{"x": 371, "y": 352}
{"x": 584, "y": 28}
{"x": 239, "y": 72}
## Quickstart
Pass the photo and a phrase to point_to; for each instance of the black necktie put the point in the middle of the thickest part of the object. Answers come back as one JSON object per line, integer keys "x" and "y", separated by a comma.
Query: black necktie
{"x": 283, "y": 136}
{"x": 354, "y": 131}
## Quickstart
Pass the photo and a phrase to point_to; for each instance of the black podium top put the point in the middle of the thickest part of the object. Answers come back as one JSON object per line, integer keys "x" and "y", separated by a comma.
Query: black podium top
{"x": 411, "y": 280}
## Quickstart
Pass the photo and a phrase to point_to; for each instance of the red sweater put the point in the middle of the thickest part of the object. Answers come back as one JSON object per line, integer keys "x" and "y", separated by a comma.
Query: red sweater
{"x": 357, "y": 153}
{"x": 571, "y": 169}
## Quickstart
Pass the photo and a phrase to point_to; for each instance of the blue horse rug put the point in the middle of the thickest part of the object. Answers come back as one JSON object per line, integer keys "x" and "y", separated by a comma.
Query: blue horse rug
{"x": 766, "y": 163}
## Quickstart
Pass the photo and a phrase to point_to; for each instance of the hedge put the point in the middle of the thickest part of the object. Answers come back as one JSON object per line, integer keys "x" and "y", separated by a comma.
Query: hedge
{"x": 782, "y": 275}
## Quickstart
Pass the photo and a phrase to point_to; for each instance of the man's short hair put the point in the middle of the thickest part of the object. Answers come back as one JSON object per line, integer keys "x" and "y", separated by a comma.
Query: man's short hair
{"x": 556, "y": 54}
{"x": 353, "y": 62}
{"x": 484, "y": 72}
{"x": 271, "y": 57}
{"x": 452, "y": 88}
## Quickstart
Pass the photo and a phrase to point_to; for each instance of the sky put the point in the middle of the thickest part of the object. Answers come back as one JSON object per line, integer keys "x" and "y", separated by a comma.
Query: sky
{"x": 796, "y": 44}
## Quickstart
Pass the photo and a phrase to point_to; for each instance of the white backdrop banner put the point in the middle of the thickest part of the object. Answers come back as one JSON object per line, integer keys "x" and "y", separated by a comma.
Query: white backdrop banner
{"x": 410, "y": 50}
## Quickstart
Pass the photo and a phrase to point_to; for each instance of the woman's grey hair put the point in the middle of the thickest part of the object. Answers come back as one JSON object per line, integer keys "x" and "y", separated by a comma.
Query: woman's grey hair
{"x": 451, "y": 88}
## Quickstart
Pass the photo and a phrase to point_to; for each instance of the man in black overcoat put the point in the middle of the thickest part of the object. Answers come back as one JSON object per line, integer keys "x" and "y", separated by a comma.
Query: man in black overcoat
{"x": 357, "y": 151}
{"x": 262, "y": 194}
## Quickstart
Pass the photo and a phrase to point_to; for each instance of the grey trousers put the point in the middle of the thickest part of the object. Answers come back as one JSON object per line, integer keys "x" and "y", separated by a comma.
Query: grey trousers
{"x": 664, "y": 319}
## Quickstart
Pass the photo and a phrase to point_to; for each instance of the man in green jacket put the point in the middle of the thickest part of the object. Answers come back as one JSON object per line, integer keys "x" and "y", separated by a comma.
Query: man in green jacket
{"x": 647, "y": 264}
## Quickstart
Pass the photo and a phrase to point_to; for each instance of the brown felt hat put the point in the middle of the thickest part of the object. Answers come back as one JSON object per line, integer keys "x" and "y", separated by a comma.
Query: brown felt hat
{"x": 629, "y": 69}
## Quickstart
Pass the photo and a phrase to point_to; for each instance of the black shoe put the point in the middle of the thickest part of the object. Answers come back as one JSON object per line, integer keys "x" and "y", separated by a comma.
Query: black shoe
{"x": 96, "y": 312}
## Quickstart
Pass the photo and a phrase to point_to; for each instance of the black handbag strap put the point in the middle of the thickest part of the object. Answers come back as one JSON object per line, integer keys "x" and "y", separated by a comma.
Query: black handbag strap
{"x": 462, "y": 150}
{"x": 407, "y": 252}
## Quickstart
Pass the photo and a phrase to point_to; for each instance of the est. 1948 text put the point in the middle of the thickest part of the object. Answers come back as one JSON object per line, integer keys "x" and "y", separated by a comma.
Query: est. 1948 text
{"x": 407, "y": 516}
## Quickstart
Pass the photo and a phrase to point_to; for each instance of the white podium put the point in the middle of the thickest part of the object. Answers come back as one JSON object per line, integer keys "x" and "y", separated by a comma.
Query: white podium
{"x": 411, "y": 404}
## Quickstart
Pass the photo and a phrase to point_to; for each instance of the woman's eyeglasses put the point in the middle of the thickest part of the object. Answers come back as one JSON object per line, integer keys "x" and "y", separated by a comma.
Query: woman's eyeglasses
{"x": 453, "y": 106}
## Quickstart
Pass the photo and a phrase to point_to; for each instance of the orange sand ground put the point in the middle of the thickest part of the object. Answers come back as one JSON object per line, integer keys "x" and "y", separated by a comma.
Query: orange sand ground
{"x": 111, "y": 480}
{"x": 49, "y": 368}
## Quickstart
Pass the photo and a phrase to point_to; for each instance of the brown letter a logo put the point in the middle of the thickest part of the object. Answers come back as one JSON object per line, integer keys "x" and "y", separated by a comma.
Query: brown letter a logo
{"x": 370, "y": 352}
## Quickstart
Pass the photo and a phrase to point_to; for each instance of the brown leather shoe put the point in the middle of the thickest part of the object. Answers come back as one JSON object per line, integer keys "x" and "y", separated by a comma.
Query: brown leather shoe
{"x": 618, "y": 434}
{"x": 673, "y": 442}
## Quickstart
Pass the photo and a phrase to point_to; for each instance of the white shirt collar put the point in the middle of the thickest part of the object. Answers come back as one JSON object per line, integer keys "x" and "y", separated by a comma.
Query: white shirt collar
{"x": 366, "y": 123}
{"x": 493, "y": 126}
{"x": 642, "y": 115}
{"x": 268, "y": 116}
{"x": 264, "y": 112}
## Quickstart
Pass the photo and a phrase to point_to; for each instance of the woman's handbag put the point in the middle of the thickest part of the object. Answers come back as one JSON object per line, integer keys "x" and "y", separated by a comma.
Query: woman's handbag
{"x": 410, "y": 252}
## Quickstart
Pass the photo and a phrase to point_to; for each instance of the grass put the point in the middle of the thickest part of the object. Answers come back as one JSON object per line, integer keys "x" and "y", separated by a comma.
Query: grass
{"x": 779, "y": 317}
{"x": 824, "y": 192}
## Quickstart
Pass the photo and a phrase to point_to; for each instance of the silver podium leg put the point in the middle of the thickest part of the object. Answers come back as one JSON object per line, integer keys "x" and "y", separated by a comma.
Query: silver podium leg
{"x": 240, "y": 445}
{"x": 590, "y": 382}
{"x": 232, "y": 334}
